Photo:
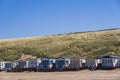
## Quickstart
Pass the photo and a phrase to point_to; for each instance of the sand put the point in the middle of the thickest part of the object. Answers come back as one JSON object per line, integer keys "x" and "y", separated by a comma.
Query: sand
{"x": 71, "y": 75}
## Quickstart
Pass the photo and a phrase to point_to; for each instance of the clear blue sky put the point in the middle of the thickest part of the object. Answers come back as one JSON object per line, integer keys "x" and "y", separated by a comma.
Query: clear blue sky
{"x": 25, "y": 18}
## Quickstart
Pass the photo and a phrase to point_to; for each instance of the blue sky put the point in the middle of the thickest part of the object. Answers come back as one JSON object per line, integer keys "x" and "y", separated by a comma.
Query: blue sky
{"x": 25, "y": 18}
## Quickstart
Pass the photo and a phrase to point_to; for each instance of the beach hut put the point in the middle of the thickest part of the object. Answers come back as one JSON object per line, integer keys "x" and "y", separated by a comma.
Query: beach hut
{"x": 92, "y": 64}
{"x": 110, "y": 62}
{"x": 47, "y": 64}
{"x": 8, "y": 66}
{"x": 77, "y": 63}
{"x": 19, "y": 66}
{"x": 2, "y": 65}
{"x": 66, "y": 66}
{"x": 33, "y": 65}
{"x": 62, "y": 64}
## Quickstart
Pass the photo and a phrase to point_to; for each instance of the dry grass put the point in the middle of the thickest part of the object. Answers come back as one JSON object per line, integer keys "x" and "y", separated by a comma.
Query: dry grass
{"x": 87, "y": 44}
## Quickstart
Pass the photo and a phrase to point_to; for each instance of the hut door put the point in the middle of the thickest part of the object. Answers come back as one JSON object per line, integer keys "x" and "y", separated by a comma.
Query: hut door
{"x": 115, "y": 62}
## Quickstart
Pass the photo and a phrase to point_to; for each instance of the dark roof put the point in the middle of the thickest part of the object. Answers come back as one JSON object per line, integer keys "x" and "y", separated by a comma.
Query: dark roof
{"x": 110, "y": 57}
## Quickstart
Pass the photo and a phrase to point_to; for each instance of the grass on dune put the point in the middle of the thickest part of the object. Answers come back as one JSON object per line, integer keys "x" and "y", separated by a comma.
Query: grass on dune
{"x": 86, "y": 44}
